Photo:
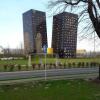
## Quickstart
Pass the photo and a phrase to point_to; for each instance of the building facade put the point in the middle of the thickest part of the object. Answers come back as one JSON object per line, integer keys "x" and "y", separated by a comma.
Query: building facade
{"x": 64, "y": 36}
{"x": 34, "y": 22}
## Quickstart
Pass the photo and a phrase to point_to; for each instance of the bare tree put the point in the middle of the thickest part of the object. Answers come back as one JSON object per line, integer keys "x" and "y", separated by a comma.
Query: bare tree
{"x": 88, "y": 10}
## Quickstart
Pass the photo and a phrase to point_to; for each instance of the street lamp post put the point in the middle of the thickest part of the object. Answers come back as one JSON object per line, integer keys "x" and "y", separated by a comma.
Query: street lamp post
{"x": 29, "y": 60}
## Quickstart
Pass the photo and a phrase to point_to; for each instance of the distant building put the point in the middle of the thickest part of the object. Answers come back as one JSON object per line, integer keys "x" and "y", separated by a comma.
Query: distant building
{"x": 9, "y": 51}
{"x": 34, "y": 22}
{"x": 64, "y": 36}
{"x": 1, "y": 50}
{"x": 81, "y": 53}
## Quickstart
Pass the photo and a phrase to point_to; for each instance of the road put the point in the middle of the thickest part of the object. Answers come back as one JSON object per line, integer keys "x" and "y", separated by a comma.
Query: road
{"x": 53, "y": 73}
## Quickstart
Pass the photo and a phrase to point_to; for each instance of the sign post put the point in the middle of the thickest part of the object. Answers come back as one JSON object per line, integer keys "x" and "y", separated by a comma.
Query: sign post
{"x": 45, "y": 53}
{"x": 45, "y": 68}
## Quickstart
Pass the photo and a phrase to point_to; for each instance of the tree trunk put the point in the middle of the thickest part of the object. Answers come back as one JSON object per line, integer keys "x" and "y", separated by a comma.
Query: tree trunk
{"x": 92, "y": 10}
{"x": 99, "y": 72}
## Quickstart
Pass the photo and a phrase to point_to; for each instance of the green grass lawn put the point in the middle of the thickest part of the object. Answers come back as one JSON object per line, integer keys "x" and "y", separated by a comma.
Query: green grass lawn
{"x": 51, "y": 90}
{"x": 50, "y": 60}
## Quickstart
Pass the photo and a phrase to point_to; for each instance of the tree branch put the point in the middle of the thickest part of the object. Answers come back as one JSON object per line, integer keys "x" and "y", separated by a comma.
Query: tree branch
{"x": 91, "y": 8}
{"x": 95, "y": 10}
{"x": 76, "y": 3}
{"x": 90, "y": 11}
{"x": 98, "y": 3}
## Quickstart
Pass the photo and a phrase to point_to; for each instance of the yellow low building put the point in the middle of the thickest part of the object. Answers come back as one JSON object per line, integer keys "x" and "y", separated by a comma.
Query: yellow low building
{"x": 81, "y": 51}
{"x": 49, "y": 50}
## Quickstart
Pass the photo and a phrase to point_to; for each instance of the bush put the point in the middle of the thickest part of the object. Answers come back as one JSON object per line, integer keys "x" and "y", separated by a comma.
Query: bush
{"x": 79, "y": 64}
{"x": 69, "y": 65}
{"x": 5, "y": 67}
{"x": 93, "y": 64}
{"x": 87, "y": 64}
{"x": 11, "y": 67}
{"x": 39, "y": 66}
{"x": 50, "y": 66}
{"x": 60, "y": 64}
{"x": 33, "y": 66}
{"x": 19, "y": 67}
{"x": 73, "y": 64}
{"x": 64, "y": 65}
{"x": 82, "y": 64}
{"x": 54, "y": 65}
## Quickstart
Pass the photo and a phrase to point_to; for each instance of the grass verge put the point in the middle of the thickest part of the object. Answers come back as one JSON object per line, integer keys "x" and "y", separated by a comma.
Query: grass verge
{"x": 51, "y": 90}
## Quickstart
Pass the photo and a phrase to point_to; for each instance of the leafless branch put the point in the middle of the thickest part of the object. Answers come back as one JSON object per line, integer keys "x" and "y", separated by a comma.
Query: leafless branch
{"x": 87, "y": 9}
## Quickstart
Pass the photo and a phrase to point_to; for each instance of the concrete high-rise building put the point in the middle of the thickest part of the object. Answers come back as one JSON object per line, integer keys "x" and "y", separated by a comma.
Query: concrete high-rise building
{"x": 34, "y": 22}
{"x": 64, "y": 36}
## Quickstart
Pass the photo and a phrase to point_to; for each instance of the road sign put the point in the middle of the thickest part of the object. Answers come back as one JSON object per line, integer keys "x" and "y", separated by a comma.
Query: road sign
{"x": 45, "y": 48}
